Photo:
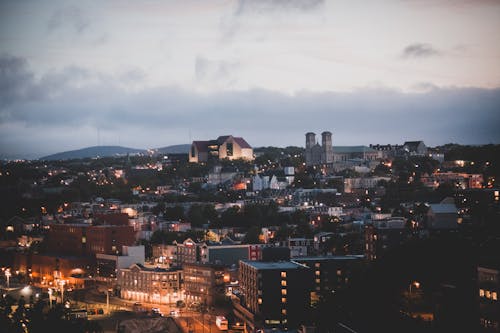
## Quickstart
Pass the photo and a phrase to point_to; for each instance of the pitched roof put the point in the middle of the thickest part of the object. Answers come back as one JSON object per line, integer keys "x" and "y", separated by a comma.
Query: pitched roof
{"x": 242, "y": 142}
{"x": 223, "y": 138}
{"x": 412, "y": 144}
{"x": 201, "y": 146}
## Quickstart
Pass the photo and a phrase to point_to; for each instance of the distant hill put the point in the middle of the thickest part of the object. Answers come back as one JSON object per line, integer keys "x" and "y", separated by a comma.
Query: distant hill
{"x": 96, "y": 151}
{"x": 175, "y": 149}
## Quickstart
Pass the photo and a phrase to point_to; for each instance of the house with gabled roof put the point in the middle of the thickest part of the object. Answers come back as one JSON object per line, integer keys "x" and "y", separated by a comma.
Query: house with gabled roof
{"x": 443, "y": 215}
{"x": 415, "y": 148}
{"x": 226, "y": 146}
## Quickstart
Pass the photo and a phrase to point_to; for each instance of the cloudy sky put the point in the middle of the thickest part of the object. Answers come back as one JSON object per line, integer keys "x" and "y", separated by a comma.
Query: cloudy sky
{"x": 155, "y": 73}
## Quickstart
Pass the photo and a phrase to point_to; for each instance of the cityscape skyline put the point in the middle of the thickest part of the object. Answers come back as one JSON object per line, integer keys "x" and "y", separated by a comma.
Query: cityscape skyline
{"x": 254, "y": 166}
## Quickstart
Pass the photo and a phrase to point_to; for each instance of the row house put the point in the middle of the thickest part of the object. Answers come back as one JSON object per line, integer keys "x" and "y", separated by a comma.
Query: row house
{"x": 150, "y": 284}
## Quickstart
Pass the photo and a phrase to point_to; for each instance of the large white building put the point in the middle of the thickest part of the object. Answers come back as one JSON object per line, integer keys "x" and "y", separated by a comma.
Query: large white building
{"x": 226, "y": 146}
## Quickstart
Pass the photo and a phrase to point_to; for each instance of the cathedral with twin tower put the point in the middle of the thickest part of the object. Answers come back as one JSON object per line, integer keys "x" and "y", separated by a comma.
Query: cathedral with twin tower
{"x": 319, "y": 154}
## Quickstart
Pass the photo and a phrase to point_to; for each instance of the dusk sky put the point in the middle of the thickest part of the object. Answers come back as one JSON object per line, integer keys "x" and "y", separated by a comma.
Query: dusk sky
{"x": 147, "y": 74}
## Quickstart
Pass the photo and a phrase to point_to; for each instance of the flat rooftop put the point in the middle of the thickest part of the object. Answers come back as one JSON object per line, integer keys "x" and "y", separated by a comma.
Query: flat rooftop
{"x": 274, "y": 264}
{"x": 319, "y": 258}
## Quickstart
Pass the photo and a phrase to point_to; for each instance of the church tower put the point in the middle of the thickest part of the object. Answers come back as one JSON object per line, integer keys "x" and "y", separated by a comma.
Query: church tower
{"x": 327, "y": 148}
{"x": 310, "y": 142}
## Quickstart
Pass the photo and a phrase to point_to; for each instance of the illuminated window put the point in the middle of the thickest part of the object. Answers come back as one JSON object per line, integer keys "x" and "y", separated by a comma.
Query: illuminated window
{"x": 283, "y": 311}
{"x": 317, "y": 265}
{"x": 283, "y": 300}
{"x": 283, "y": 275}
{"x": 283, "y": 283}
{"x": 339, "y": 272}
{"x": 259, "y": 300}
{"x": 283, "y": 291}
{"x": 318, "y": 280}
{"x": 481, "y": 292}
{"x": 84, "y": 239}
{"x": 317, "y": 272}
{"x": 494, "y": 296}
{"x": 487, "y": 293}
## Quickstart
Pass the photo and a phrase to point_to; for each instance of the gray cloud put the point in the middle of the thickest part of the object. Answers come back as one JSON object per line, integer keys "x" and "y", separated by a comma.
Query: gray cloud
{"x": 419, "y": 50}
{"x": 15, "y": 79}
{"x": 63, "y": 109}
{"x": 218, "y": 72}
{"x": 244, "y": 9}
{"x": 266, "y": 6}
{"x": 70, "y": 17}
{"x": 454, "y": 3}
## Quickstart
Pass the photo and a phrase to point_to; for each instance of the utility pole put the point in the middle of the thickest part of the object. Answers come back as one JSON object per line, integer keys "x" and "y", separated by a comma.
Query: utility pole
{"x": 50, "y": 297}
{"x": 107, "y": 299}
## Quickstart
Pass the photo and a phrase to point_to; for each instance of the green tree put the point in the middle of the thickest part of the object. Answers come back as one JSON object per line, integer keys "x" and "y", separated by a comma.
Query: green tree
{"x": 303, "y": 230}
{"x": 211, "y": 214}
{"x": 299, "y": 217}
{"x": 252, "y": 235}
{"x": 196, "y": 217}
{"x": 283, "y": 233}
{"x": 231, "y": 217}
{"x": 159, "y": 208}
{"x": 164, "y": 237}
{"x": 174, "y": 213}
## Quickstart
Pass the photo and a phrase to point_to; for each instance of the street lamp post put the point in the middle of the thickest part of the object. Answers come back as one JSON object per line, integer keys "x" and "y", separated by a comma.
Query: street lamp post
{"x": 50, "y": 297}
{"x": 62, "y": 283}
{"x": 8, "y": 275}
{"x": 416, "y": 284}
{"x": 107, "y": 299}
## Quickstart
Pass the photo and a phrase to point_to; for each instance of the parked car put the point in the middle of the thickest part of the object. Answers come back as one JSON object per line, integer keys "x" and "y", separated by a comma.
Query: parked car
{"x": 155, "y": 312}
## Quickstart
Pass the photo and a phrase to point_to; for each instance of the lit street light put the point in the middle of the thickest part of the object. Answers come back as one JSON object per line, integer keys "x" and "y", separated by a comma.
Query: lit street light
{"x": 62, "y": 283}
{"x": 416, "y": 284}
{"x": 50, "y": 297}
{"x": 8, "y": 275}
{"x": 107, "y": 299}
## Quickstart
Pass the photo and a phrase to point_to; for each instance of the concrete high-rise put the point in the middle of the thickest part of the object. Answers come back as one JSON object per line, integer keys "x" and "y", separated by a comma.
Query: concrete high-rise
{"x": 273, "y": 295}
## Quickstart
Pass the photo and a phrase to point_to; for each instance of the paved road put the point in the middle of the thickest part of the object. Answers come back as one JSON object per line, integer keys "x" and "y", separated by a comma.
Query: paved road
{"x": 190, "y": 321}
{"x": 195, "y": 323}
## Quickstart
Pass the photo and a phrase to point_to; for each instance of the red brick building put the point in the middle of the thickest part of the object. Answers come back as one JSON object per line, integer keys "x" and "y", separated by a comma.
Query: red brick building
{"x": 83, "y": 239}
